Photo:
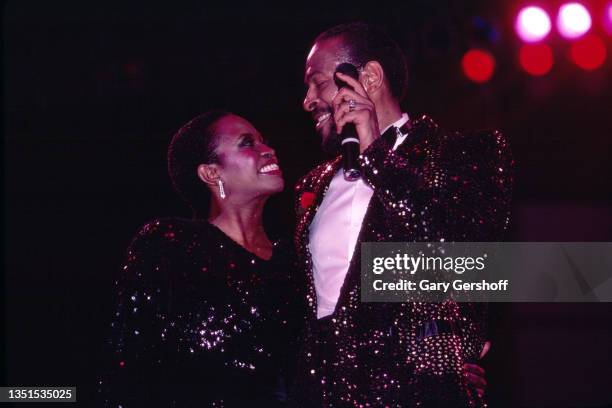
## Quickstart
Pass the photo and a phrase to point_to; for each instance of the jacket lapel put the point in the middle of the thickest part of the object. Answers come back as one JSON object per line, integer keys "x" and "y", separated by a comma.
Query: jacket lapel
{"x": 318, "y": 188}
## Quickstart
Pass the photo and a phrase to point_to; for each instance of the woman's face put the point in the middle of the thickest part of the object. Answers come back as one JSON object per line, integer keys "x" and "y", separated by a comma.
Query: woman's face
{"x": 247, "y": 166}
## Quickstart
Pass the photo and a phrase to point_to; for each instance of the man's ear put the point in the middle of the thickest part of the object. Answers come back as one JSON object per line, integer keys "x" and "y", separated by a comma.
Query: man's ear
{"x": 372, "y": 76}
{"x": 208, "y": 173}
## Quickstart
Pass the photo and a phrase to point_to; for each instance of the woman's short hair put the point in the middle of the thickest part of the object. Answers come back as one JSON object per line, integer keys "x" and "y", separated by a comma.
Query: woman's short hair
{"x": 194, "y": 144}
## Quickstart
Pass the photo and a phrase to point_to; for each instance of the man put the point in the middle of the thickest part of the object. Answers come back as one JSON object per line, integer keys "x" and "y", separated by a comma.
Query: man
{"x": 418, "y": 183}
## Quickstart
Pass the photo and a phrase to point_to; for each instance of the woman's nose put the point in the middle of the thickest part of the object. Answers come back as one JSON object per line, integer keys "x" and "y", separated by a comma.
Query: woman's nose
{"x": 268, "y": 153}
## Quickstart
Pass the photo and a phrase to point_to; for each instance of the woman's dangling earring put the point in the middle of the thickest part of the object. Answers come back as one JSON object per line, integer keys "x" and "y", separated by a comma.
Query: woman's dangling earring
{"x": 221, "y": 189}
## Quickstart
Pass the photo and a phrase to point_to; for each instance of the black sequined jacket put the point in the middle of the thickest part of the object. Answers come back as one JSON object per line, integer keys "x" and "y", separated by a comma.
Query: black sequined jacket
{"x": 435, "y": 186}
{"x": 200, "y": 321}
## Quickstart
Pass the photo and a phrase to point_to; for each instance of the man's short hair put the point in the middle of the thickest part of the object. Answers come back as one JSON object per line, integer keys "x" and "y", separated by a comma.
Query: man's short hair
{"x": 367, "y": 42}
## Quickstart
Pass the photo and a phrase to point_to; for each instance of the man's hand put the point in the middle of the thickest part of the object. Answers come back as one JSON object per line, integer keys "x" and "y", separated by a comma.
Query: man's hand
{"x": 475, "y": 375}
{"x": 363, "y": 115}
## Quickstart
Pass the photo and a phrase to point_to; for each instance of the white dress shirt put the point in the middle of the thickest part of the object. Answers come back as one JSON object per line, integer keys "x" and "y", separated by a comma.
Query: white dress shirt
{"x": 334, "y": 231}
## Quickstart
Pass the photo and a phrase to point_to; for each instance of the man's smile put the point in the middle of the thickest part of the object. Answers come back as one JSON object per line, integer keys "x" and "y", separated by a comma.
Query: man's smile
{"x": 321, "y": 119}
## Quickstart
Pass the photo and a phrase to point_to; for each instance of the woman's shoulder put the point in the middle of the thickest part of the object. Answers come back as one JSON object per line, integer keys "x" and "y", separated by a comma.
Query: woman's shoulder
{"x": 168, "y": 232}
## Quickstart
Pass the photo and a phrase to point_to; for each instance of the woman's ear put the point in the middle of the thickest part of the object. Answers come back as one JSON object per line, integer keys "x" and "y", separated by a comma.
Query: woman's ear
{"x": 372, "y": 76}
{"x": 208, "y": 173}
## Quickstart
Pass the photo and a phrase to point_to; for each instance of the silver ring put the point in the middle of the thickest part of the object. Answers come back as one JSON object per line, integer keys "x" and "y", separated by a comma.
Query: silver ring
{"x": 351, "y": 104}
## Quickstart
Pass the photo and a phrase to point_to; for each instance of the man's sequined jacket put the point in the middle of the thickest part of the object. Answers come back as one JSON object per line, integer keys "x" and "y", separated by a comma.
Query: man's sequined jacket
{"x": 436, "y": 186}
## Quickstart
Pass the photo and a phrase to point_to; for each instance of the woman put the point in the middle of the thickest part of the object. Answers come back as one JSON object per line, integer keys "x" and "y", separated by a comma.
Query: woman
{"x": 206, "y": 306}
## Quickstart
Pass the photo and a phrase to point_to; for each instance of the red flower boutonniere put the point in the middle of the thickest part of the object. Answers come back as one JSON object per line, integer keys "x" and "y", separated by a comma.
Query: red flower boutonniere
{"x": 307, "y": 199}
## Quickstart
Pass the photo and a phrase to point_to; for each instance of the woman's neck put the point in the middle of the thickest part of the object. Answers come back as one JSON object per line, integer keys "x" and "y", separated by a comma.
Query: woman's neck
{"x": 244, "y": 224}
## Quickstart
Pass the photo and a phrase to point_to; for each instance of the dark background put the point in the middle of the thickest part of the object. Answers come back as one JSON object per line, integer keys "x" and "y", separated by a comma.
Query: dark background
{"x": 93, "y": 93}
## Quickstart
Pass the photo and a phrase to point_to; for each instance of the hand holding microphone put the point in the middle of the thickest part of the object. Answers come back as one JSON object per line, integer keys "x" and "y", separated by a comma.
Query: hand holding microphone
{"x": 355, "y": 117}
{"x": 348, "y": 135}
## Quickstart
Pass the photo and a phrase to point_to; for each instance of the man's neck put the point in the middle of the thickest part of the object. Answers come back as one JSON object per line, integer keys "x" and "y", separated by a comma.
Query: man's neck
{"x": 388, "y": 114}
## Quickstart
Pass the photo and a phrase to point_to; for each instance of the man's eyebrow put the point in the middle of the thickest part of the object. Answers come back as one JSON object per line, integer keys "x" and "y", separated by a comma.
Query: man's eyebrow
{"x": 310, "y": 75}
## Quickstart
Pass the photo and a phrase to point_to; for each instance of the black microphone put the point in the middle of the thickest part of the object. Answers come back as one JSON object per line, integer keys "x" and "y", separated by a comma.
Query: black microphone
{"x": 349, "y": 137}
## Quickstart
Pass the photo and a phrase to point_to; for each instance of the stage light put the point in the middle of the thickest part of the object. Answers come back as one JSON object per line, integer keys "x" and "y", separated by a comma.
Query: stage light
{"x": 532, "y": 24}
{"x": 573, "y": 20}
{"x": 608, "y": 18}
{"x": 589, "y": 52}
{"x": 478, "y": 65}
{"x": 536, "y": 59}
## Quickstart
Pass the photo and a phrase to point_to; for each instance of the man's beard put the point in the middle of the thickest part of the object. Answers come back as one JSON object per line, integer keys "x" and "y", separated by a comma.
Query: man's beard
{"x": 331, "y": 144}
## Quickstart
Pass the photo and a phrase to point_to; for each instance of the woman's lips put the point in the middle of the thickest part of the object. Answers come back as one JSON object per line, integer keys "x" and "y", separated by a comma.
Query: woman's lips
{"x": 270, "y": 169}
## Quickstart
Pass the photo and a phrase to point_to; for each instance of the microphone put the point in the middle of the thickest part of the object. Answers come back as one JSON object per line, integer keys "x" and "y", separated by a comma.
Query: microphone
{"x": 349, "y": 137}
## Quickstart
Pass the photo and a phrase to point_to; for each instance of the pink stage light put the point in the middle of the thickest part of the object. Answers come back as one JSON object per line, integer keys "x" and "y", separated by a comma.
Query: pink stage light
{"x": 532, "y": 24}
{"x": 608, "y": 18}
{"x": 573, "y": 20}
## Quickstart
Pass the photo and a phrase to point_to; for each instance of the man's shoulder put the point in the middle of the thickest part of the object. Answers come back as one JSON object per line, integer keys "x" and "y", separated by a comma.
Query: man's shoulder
{"x": 424, "y": 123}
{"x": 488, "y": 140}
{"x": 423, "y": 136}
{"x": 426, "y": 132}
{"x": 479, "y": 151}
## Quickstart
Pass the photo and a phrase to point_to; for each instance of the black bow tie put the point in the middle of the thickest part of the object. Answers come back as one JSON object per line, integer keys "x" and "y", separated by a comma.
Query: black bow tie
{"x": 391, "y": 134}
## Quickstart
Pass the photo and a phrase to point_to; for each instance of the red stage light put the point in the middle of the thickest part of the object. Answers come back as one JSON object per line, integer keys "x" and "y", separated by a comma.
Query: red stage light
{"x": 532, "y": 24}
{"x": 478, "y": 65}
{"x": 589, "y": 52}
{"x": 536, "y": 59}
{"x": 573, "y": 20}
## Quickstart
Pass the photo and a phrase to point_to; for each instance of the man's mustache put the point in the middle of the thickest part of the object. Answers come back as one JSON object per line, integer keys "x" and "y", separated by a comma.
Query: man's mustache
{"x": 322, "y": 111}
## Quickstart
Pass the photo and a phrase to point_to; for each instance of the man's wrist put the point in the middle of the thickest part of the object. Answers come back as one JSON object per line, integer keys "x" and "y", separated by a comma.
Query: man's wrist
{"x": 364, "y": 146}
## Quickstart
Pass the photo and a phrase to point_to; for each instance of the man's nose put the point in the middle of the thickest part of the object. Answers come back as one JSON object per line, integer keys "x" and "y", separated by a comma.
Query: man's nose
{"x": 310, "y": 102}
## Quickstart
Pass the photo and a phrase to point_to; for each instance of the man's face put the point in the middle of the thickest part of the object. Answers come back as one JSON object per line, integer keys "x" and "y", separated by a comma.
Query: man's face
{"x": 321, "y": 64}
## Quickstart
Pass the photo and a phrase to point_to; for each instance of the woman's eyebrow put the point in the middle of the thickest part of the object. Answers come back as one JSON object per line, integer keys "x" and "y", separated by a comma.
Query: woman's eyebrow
{"x": 243, "y": 136}
{"x": 257, "y": 136}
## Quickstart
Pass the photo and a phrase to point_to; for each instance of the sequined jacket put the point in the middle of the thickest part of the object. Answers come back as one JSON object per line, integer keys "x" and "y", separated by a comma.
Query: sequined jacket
{"x": 200, "y": 321}
{"x": 435, "y": 186}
